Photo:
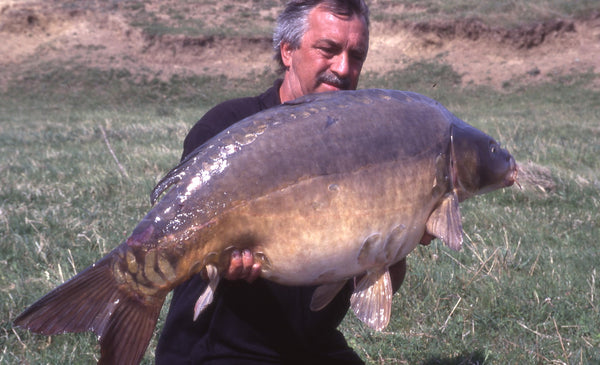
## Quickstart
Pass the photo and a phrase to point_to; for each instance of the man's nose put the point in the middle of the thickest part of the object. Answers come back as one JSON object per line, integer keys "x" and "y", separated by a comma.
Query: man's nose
{"x": 341, "y": 65}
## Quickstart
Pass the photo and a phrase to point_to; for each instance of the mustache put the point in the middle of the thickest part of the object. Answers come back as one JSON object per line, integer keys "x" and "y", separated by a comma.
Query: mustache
{"x": 342, "y": 83}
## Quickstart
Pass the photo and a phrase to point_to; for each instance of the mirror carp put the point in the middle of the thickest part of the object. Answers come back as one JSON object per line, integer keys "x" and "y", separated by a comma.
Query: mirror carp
{"x": 322, "y": 189}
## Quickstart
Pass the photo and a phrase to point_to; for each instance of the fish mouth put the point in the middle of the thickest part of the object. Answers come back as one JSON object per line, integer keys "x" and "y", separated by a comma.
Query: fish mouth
{"x": 512, "y": 177}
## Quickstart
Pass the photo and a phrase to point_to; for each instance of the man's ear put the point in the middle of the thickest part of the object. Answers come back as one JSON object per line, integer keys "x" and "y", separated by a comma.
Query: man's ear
{"x": 286, "y": 54}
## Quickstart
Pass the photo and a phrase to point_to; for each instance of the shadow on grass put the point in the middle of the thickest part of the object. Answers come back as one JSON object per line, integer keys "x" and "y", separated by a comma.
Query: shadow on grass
{"x": 474, "y": 358}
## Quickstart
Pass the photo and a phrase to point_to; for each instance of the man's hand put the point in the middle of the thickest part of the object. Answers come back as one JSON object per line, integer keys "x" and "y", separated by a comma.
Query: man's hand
{"x": 242, "y": 266}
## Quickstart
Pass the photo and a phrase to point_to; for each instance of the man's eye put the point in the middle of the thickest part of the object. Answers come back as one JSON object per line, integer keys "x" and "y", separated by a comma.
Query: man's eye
{"x": 329, "y": 52}
{"x": 359, "y": 56}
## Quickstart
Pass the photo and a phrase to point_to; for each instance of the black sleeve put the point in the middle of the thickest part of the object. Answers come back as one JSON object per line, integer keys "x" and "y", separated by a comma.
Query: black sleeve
{"x": 218, "y": 119}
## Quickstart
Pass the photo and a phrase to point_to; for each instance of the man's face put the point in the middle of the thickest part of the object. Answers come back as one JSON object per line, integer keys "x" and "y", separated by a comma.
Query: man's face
{"x": 330, "y": 56}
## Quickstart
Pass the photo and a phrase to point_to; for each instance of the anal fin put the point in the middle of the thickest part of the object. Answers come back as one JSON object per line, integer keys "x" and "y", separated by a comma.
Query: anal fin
{"x": 207, "y": 296}
{"x": 372, "y": 299}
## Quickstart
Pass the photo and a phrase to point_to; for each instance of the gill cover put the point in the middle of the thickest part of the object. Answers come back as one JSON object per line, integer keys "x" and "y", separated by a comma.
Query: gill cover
{"x": 477, "y": 165}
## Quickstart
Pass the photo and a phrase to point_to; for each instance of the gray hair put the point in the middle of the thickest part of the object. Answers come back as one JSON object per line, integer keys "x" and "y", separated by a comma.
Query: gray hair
{"x": 292, "y": 23}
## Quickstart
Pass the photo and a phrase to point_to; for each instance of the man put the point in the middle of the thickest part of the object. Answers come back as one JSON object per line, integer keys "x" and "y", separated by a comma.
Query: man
{"x": 321, "y": 45}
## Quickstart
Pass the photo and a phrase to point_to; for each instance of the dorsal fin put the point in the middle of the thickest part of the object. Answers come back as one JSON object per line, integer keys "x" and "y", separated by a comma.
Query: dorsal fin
{"x": 176, "y": 174}
{"x": 171, "y": 178}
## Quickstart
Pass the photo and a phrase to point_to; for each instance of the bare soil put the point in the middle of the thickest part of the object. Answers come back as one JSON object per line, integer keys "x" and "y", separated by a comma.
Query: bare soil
{"x": 39, "y": 34}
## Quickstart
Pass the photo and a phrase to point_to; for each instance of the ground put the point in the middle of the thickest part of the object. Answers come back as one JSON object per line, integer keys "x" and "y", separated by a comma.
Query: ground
{"x": 37, "y": 34}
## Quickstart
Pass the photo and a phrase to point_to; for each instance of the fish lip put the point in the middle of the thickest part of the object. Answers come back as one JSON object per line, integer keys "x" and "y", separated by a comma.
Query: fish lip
{"x": 512, "y": 176}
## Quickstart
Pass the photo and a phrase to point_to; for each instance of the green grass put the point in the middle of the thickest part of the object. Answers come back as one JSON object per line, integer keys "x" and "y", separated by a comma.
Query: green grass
{"x": 65, "y": 203}
{"x": 522, "y": 291}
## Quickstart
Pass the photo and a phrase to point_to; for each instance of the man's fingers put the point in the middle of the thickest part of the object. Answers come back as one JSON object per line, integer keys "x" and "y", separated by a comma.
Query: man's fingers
{"x": 236, "y": 266}
{"x": 254, "y": 273}
{"x": 247, "y": 262}
{"x": 242, "y": 266}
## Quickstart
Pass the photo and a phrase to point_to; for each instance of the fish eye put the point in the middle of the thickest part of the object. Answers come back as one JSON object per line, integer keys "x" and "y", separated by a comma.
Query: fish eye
{"x": 493, "y": 148}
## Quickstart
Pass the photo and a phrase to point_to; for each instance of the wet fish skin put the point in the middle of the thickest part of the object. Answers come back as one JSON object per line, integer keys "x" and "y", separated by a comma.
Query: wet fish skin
{"x": 322, "y": 189}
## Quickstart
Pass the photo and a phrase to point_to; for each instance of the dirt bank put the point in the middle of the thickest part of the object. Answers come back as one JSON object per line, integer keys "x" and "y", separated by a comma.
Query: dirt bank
{"x": 39, "y": 34}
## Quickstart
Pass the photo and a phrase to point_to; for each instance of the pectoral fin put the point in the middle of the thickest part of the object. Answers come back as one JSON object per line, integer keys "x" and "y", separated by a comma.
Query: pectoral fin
{"x": 445, "y": 222}
{"x": 324, "y": 294}
{"x": 207, "y": 296}
{"x": 372, "y": 299}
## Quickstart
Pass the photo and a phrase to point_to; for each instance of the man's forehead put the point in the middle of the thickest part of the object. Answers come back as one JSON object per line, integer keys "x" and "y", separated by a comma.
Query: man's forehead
{"x": 324, "y": 11}
{"x": 326, "y": 25}
{"x": 340, "y": 12}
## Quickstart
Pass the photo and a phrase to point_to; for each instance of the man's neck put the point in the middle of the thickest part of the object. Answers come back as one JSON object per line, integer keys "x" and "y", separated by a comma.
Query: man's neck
{"x": 285, "y": 90}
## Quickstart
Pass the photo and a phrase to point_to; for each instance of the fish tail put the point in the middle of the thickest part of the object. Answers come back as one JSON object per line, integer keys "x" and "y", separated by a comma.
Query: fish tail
{"x": 94, "y": 301}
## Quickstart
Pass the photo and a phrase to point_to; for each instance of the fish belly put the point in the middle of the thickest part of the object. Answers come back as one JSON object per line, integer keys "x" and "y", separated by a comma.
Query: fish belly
{"x": 329, "y": 228}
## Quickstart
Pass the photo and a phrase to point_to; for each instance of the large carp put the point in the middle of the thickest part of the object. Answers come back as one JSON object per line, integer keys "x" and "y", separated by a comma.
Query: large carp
{"x": 321, "y": 189}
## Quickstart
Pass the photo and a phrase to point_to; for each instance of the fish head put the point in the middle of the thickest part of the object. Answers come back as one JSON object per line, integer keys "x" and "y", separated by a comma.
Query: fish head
{"x": 478, "y": 163}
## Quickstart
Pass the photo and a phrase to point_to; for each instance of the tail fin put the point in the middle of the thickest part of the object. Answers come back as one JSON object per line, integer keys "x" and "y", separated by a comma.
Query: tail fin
{"x": 93, "y": 301}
